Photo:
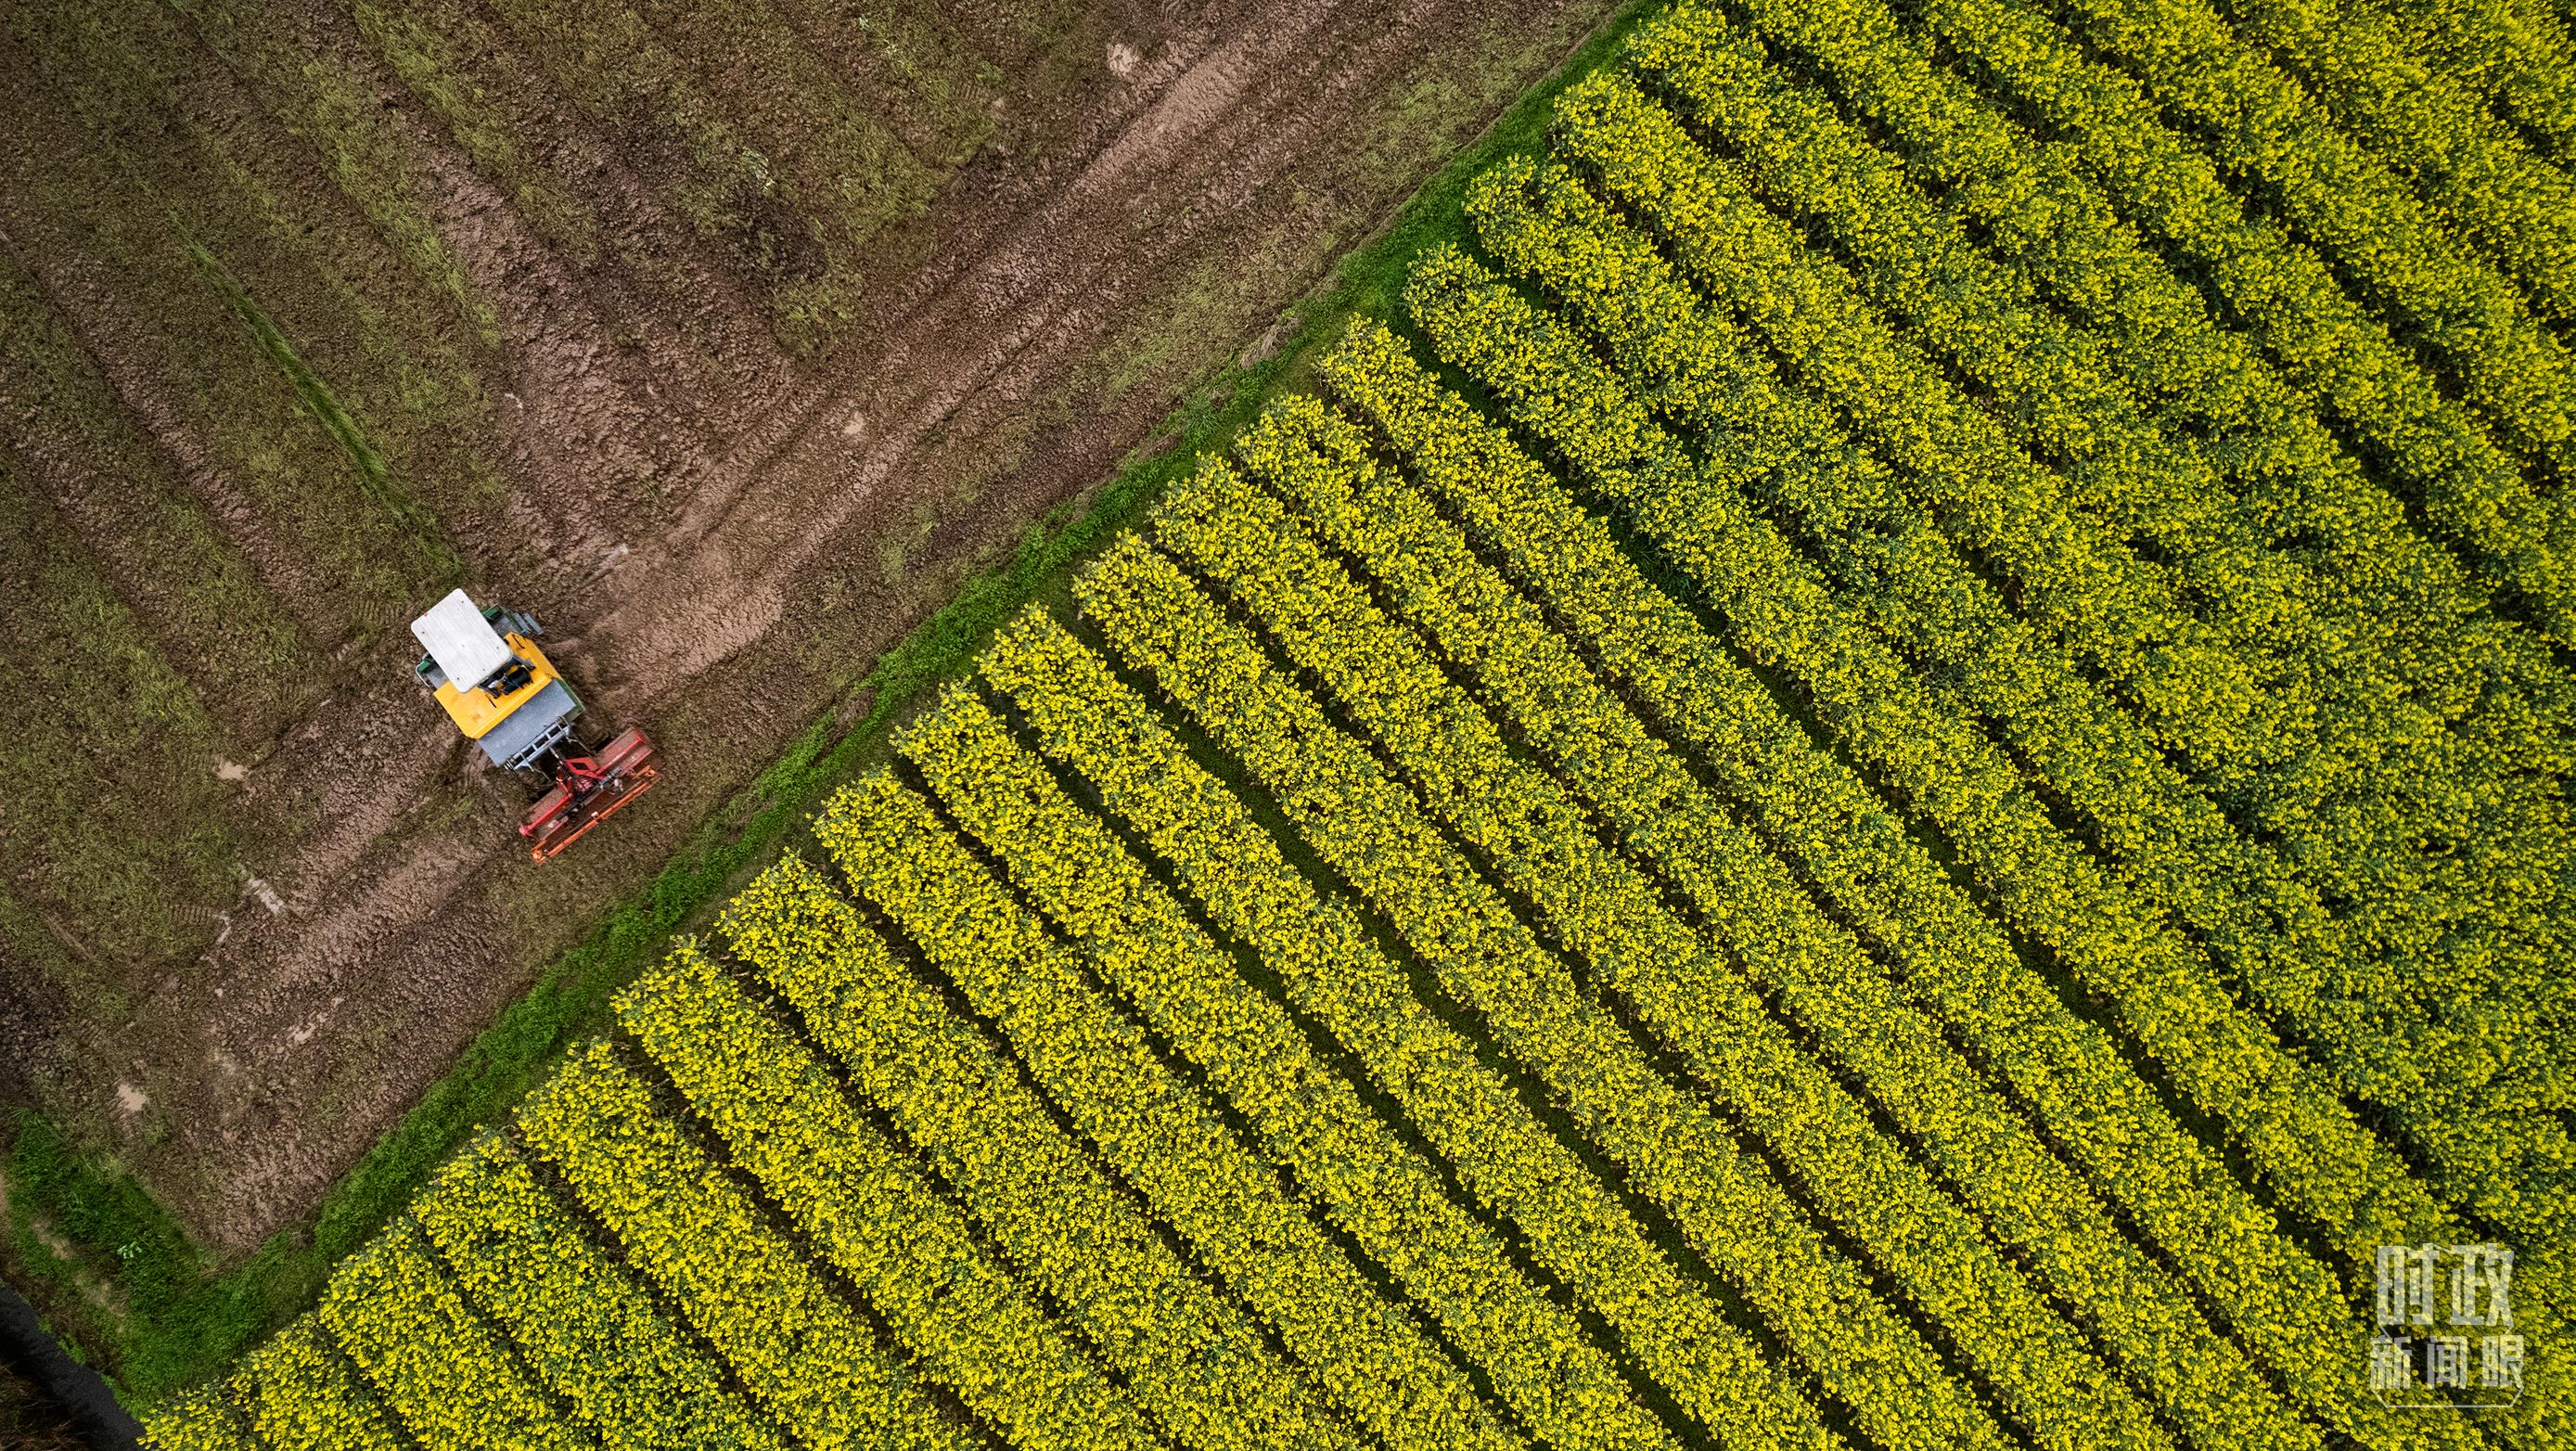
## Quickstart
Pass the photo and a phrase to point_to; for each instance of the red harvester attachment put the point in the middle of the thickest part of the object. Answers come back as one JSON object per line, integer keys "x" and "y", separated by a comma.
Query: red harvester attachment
{"x": 588, "y": 790}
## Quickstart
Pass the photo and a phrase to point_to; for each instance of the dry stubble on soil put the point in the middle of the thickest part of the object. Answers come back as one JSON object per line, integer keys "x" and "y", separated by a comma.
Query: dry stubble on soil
{"x": 728, "y": 340}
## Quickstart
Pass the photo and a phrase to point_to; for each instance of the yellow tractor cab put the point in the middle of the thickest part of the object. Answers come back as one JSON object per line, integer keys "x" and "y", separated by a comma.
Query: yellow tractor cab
{"x": 485, "y": 670}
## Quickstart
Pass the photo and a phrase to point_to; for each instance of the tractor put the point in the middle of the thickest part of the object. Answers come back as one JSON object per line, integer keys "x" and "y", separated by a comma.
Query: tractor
{"x": 484, "y": 668}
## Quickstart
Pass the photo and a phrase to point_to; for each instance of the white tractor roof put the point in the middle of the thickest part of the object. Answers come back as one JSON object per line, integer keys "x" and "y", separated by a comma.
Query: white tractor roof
{"x": 468, "y": 650}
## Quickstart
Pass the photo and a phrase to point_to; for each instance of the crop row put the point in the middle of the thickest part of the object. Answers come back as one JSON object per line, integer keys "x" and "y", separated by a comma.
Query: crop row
{"x": 1609, "y": 915}
{"x": 2260, "y": 126}
{"x": 1162, "y": 1137}
{"x": 201, "y": 1420}
{"x": 587, "y": 1329}
{"x": 2417, "y": 631}
{"x": 1722, "y": 1198}
{"x": 1816, "y": 973}
{"x": 1898, "y": 572}
{"x": 1858, "y": 858}
{"x": 299, "y": 1395}
{"x": 1191, "y": 1358}
{"x": 873, "y": 1217}
{"x": 803, "y": 1353}
{"x": 1142, "y": 940}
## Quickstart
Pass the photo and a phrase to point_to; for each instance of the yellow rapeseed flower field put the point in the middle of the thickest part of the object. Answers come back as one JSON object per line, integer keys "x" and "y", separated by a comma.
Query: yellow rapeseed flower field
{"x": 1891, "y": 775}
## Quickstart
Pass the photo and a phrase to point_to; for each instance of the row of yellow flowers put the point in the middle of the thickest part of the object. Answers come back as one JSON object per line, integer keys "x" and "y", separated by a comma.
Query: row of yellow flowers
{"x": 584, "y": 1325}
{"x": 201, "y": 1421}
{"x": 872, "y": 1216}
{"x": 1856, "y": 857}
{"x": 1315, "y": 1122}
{"x": 1895, "y": 571}
{"x": 1722, "y": 1198}
{"x": 803, "y": 1353}
{"x": 2294, "y": 1129}
{"x": 2437, "y": 720}
{"x": 1815, "y": 973}
{"x": 1155, "y": 1128}
{"x": 301, "y": 1394}
{"x": 204, "y": 1419}
{"x": 1188, "y": 1355}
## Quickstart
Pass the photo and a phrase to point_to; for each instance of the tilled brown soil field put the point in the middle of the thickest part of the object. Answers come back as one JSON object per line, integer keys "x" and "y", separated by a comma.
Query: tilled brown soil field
{"x": 729, "y": 340}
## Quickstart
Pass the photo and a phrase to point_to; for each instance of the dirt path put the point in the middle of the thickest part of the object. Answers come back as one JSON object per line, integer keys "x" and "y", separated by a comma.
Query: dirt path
{"x": 1065, "y": 309}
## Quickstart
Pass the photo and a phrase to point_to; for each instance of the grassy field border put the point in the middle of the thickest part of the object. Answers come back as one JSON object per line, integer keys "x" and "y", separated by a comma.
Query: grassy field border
{"x": 185, "y": 1321}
